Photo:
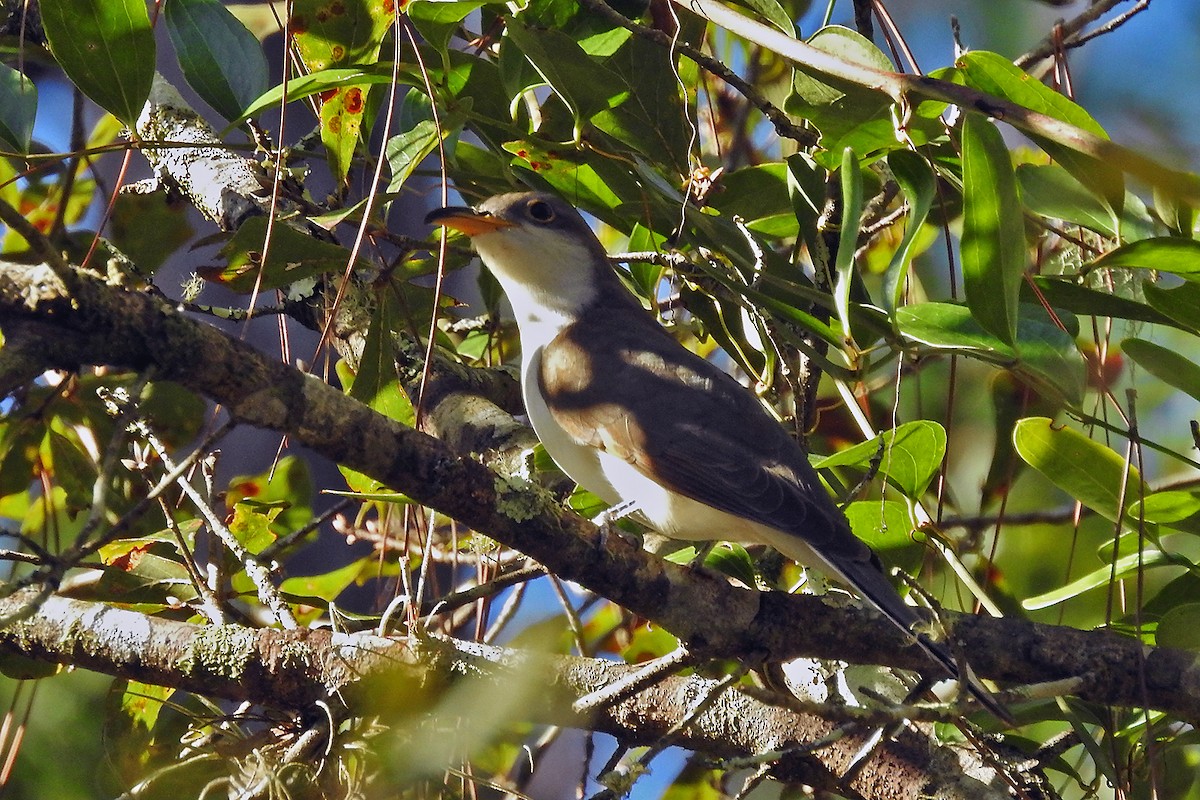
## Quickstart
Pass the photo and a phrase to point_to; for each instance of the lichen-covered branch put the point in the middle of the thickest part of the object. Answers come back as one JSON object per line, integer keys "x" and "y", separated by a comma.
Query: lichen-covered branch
{"x": 374, "y": 675}
{"x": 111, "y": 326}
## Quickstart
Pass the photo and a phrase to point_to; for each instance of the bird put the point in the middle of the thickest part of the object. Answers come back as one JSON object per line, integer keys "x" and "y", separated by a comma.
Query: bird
{"x": 636, "y": 418}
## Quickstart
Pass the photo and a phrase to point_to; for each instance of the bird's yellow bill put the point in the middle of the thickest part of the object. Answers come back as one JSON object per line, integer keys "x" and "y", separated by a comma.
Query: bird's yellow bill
{"x": 466, "y": 220}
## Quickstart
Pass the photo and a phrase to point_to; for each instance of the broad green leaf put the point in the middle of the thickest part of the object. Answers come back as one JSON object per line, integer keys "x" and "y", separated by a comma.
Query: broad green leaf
{"x": 405, "y": 151}
{"x": 1167, "y": 365}
{"x": 1181, "y": 304}
{"x": 587, "y": 87}
{"x": 915, "y": 179}
{"x": 327, "y": 586}
{"x": 251, "y": 525}
{"x": 852, "y": 205}
{"x": 376, "y": 382}
{"x": 1165, "y": 254}
{"x": 18, "y": 107}
{"x": 591, "y": 183}
{"x": 773, "y": 13}
{"x": 148, "y": 230}
{"x": 326, "y": 80}
{"x": 284, "y": 494}
{"x": 437, "y": 20}
{"x": 1170, "y": 508}
{"x": 220, "y": 59}
{"x": 887, "y": 527}
{"x": 1180, "y": 628}
{"x": 1086, "y": 470}
{"x": 995, "y": 74}
{"x": 730, "y": 558}
{"x": 1045, "y": 355}
{"x": 1078, "y": 299}
{"x": 847, "y": 115}
{"x": 911, "y": 455}
{"x": 73, "y": 469}
{"x": 651, "y": 121}
{"x": 993, "y": 238}
{"x": 291, "y": 257}
{"x": 1126, "y": 567}
{"x": 1051, "y": 191}
{"x": 106, "y": 47}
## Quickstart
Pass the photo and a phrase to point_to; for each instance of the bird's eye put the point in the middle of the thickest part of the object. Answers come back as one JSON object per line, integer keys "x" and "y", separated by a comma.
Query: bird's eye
{"x": 540, "y": 211}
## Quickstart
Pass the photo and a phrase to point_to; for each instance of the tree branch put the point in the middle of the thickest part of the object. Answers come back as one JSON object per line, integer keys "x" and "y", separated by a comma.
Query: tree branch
{"x": 111, "y": 326}
{"x": 374, "y": 675}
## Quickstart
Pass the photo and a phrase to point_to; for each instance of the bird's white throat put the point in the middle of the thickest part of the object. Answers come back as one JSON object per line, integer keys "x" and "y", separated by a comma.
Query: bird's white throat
{"x": 546, "y": 276}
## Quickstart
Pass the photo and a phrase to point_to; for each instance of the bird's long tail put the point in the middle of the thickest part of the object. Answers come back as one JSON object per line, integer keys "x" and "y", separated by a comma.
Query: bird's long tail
{"x": 873, "y": 585}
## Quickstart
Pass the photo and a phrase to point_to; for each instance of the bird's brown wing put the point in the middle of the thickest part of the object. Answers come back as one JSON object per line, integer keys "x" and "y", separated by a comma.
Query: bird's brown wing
{"x": 688, "y": 426}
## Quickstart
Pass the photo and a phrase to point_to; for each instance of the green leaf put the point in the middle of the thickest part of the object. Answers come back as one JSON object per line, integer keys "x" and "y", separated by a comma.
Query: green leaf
{"x": 329, "y": 585}
{"x": 1051, "y": 191}
{"x": 847, "y": 115}
{"x": 1086, "y": 470}
{"x": 915, "y": 179}
{"x": 1125, "y": 567}
{"x": 912, "y": 455}
{"x": 106, "y": 48}
{"x": 1167, "y": 365}
{"x": 586, "y": 86}
{"x": 376, "y": 381}
{"x": 291, "y": 257}
{"x": 887, "y": 527}
{"x": 73, "y": 469}
{"x": 1165, "y": 254}
{"x": 220, "y": 59}
{"x": 18, "y": 107}
{"x": 730, "y": 558}
{"x": 993, "y": 237}
{"x": 852, "y": 204}
{"x": 1045, "y": 355}
{"x": 1078, "y": 299}
{"x": 405, "y": 151}
{"x": 773, "y": 13}
{"x": 1171, "y": 508}
{"x": 651, "y": 120}
{"x": 437, "y": 20}
{"x": 997, "y": 75}
{"x": 325, "y": 80}
{"x": 1180, "y": 628}
{"x": 1181, "y": 304}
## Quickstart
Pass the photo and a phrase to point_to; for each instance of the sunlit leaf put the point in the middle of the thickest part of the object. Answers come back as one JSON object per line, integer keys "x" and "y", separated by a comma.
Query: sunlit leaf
{"x": 997, "y": 75}
{"x": 106, "y": 47}
{"x": 1086, "y": 470}
{"x": 1165, "y": 254}
{"x": 292, "y": 256}
{"x": 1169, "y": 366}
{"x": 911, "y": 455}
{"x": 1045, "y": 354}
{"x": 915, "y": 179}
{"x": 993, "y": 239}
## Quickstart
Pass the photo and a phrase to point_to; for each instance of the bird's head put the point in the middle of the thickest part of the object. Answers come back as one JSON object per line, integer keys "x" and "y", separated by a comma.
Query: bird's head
{"x": 537, "y": 246}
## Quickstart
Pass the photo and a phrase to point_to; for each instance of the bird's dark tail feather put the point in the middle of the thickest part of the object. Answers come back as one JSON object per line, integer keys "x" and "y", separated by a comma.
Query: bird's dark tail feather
{"x": 876, "y": 589}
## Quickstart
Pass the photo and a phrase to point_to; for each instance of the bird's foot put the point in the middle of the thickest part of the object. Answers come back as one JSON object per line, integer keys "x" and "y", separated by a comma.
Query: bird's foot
{"x": 607, "y": 519}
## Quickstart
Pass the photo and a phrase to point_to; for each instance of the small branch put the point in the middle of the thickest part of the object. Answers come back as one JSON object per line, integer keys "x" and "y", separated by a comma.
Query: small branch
{"x": 1069, "y": 33}
{"x": 910, "y": 89}
{"x": 108, "y": 325}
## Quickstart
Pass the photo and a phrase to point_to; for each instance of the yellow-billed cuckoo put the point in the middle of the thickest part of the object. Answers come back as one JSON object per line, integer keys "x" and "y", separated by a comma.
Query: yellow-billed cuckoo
{"x": 636, "y": 418}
